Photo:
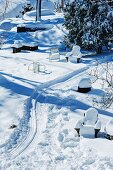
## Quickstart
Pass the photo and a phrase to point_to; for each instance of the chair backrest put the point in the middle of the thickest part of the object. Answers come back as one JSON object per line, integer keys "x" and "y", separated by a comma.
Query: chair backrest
{"x": 54, "y": 50}
{"x": 54, "y": 54}
{"x": 76, "y": 50}
{"x": 90, "y": 116}
{"x": 36, "y": 67}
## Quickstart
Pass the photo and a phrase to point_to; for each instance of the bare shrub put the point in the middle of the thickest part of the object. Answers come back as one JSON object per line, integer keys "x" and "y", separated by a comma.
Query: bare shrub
{"x": 103, "y": 73}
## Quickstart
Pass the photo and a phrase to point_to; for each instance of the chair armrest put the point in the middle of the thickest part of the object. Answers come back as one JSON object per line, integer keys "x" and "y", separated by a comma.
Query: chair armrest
{"x": 80, "y": 55}
{"x": 68, "y": 54}
{"x": 98, "y": 124}
{"x": 79, "y": 124}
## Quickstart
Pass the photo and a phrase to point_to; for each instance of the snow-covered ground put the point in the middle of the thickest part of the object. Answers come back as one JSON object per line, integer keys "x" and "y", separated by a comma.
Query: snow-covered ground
{"x": 45, "y": 106}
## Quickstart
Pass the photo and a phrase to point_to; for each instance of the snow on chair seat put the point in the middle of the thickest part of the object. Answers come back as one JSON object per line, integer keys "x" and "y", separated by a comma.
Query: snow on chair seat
{"x": 54, "y": 54}
{"x": 75, "y": 54}
{"x": 90, "y": 124}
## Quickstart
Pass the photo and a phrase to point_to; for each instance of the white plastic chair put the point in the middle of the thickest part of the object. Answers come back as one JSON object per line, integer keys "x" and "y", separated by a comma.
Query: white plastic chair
{"x": 90, "y": 125}
{"x": 54, "y": 54}
{"x": 36, "y": 67}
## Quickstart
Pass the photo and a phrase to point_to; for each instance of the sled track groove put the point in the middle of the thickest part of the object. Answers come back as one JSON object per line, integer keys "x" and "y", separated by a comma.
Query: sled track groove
{"x": 25, "y": 143}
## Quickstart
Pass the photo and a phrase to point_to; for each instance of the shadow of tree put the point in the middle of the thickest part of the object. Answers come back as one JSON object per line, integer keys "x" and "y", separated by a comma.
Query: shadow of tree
{"x": 33, "y": 83}
{"x": 70, "y": 103}
{"x": 14, "y": 87}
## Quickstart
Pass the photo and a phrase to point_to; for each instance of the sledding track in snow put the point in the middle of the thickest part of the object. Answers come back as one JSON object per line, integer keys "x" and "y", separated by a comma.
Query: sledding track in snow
{"x": 32, "y": 132}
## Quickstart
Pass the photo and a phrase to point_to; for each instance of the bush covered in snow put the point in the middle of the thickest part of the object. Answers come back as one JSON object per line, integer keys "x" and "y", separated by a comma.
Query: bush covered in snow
{"x": 84, "y": 85}
{"x": 88, "y": 24}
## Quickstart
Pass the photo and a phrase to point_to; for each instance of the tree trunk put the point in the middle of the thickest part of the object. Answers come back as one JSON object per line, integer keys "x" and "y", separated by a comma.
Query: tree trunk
{"x": 62, "y": 4}
{"x": 38, "y": 10}
{"x": 99, "y": 49}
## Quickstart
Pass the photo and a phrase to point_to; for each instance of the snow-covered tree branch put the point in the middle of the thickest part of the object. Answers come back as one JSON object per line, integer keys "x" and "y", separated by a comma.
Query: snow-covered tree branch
{"x": 89, "y": 23}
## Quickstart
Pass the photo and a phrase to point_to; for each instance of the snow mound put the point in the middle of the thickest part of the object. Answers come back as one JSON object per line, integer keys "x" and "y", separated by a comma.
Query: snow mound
{"x": 13, "y": 9}
{"x": 85, "y": 83}
{"x": 45, "y": 12}
{"x": 32, "y": 14}
{"x": 17, "y": 44}
{"x": 47, "y": 37}
{"x": 48, "y": 5}
{"x": 7, "y": 25}
{"x": 36, "y": 25}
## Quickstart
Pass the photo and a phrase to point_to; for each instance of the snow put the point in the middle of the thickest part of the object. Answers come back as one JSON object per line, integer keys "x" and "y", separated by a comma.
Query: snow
{"x": 45, "y": 106}
{"x": 17, "y": 44}
{"x": 89, "y": 123}
{"x": 48, "y": 5}
{"x": 90, "y": 116}
{"x": 109, "y": 127}
{"x": 13, "y": 8}
{"x": 85, "y": 83}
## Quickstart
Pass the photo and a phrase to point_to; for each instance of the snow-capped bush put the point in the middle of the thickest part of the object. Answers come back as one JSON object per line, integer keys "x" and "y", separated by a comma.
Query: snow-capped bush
{"x": 89, "y": 24}
{"x": 85, "y": 83}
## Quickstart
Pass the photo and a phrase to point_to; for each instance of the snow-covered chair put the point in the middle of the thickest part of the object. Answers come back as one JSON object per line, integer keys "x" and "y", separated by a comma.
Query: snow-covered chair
{"x": 75, "y": 54}
{"x": 109, "y": 130}
{"x": 84, "y": 85}
{"x": 54, "y": 54}
{"x": 90, "y": 125}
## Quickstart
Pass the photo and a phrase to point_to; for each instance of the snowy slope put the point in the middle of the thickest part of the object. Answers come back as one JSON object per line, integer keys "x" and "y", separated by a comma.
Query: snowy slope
{"x": 13, "y": 8}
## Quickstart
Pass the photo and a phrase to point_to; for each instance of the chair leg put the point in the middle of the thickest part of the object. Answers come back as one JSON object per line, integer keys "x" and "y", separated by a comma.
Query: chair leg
{"x": 78, "y": 131}
{"x": 96, "y": 132}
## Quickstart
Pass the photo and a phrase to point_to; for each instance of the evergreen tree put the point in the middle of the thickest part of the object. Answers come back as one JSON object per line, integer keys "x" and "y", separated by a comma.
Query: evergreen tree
{"x": 88, "y": 24}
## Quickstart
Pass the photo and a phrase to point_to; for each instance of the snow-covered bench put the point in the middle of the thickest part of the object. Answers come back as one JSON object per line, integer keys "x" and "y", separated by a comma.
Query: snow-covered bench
{"x": 54, "y": 54}
{"x": 90, "y": 124}
{"x": 109, "y": 129}
{"x": 75, "y": 54}
{"x": 32, "y": 46}
{"x": 20, "y": 45}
